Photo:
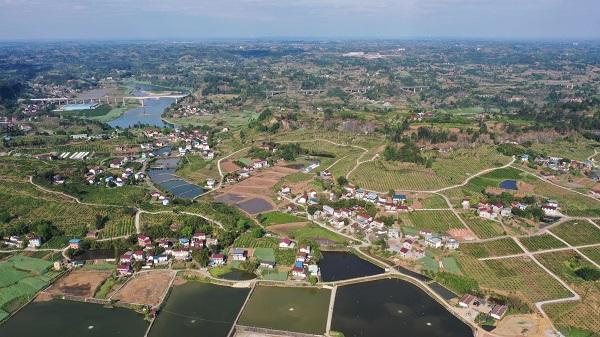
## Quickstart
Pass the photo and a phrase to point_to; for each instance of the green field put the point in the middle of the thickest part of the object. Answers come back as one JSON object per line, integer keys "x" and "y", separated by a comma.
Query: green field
{"x": 499, "y": 247}
{"x": 514, "y": 275}
{"x": 277, "y": 218}
{"x": 290, "y": 309}
{"x": 541, "y": 242}
{"x": 578, "y": 232}
{"x": 564, "y": 264}
{"x": 571, "y": 203}
{"x": 315, "y": 232}
{"x": 448, "y": 169}
{"x": 264, "y": 254}
{"x": 483, "y": 228}
{"x": 429, "y": 264}
{"x": 21, "y": 277}
{"x": 592, "y": 252}
{"x": 247, "y": 241}
{"x": 435, "y": 221}
{"x": 451, "y": 265}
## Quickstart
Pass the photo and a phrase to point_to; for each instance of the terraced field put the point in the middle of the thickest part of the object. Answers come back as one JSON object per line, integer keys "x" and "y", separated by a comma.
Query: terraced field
{"x": 541, "y": 242}
{"x": 447, "y": 170}
{"x": 435, "y": 221}
{"x": 483, "y": 228}
{"x": 578, "y": 232}
{"x": 514, "y": 275}
{"x": 499, "y": 247}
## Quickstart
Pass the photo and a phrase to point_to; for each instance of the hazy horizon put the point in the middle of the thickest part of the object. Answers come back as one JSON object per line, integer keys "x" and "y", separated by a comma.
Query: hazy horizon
{"x": 300, "y": 19}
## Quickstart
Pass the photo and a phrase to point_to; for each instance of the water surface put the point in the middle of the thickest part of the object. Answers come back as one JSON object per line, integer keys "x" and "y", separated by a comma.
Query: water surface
{"x": 60, "y": 318}
{"x": 337, "y": 266}
{"x": 149, "y": 114}
{"x": 392, "y": 308}
{"x": 199, "y": 310}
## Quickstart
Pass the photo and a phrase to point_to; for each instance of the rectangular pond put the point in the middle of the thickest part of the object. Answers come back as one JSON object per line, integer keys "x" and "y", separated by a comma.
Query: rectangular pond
{"x": 338, "y": 266}
{"x": 392, "y": 308}
{"x": 199, "y": 310}
{"x": 288, "y": 309}
{"x": 162, "y": 174}
{"x": 60, "y": 318}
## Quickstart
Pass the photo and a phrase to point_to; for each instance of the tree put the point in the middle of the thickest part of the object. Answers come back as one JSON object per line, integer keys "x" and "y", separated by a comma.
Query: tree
{"x": 257, "y": 232}
{"x": 342, "y": 181}
{"x": 201, "y": 257}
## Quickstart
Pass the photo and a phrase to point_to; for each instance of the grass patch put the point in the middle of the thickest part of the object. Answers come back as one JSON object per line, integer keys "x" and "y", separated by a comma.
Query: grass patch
{"x": 278, "y": 218}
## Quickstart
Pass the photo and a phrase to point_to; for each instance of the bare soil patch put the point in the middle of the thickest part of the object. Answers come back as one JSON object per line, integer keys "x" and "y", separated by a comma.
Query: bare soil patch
{"x": 228, "y": 166}
{"x": 523, "y": 325}
{"x": 461, "y": 234}
{"x": 286, "y": 229}
{"x": 254, "y": 195}
{"x": 145, "y": 288}
{"x": 82, "y": 283}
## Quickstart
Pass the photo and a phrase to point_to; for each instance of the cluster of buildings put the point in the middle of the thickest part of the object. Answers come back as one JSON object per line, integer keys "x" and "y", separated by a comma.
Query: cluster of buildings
{"x": 390, "y": 203}
{"x": 490, "y": 211}
{"x": 248, "y": 168}
{"x": 170, "y": 249}
{"x": 28, "y": 241}
{"x": 559, "y": 164}
{"x": 195, "y": 142}
{"x": 303, "y": 268}
{"x": 97, "y": 175}
{"x": 478, "y": 305}
{"x": 412, "y": 244}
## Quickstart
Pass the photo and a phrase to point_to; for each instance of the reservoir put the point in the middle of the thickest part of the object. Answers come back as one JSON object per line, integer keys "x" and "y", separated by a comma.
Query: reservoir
{"x": 338, "y": 266}
{"x": 60, "y": 318}
{"x": 200, "y": 310}
{"x": 392, "y": 308}
{"x": 149, "y": 114}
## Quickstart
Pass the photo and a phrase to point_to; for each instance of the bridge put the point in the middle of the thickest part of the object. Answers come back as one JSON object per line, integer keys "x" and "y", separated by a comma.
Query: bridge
{"x": 103, "y": 99}
{"x": 312, "y": 92}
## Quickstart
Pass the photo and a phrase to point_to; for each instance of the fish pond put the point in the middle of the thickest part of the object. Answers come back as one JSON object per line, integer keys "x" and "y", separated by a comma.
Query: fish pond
{"x": 200, "y": 310}
{"x": 338, "y": 266}
{"x": 162, "y": 173}
{"x": 60, "y": 318}
{"x": 392, "y": 308}
{"x": 288, "y": 309}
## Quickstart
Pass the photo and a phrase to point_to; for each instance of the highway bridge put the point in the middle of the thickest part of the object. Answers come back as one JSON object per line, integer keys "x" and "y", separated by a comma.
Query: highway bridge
{"x": 104, "y": 99}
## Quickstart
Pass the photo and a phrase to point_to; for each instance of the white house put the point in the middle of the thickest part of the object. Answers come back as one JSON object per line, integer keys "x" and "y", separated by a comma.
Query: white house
{"x": 286, "y": 243}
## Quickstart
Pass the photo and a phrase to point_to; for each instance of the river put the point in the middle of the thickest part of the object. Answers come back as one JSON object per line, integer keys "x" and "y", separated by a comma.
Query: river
{"x": 150, "y": 114}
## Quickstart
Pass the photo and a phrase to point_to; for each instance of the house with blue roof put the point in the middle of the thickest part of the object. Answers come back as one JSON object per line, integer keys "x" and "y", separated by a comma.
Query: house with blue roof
{"x": 399, "y": 198}
{"x": 74, "y": 243}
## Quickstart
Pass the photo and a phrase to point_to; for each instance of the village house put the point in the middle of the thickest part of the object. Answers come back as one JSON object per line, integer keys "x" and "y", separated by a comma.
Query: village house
{"x": 126, "y": 258}
{"x": 286, "y": 243}
{"x": 239, "y": 254}
{"x": 217, "y": 260}
{"x": 498, "y": 311}
{"x": 285, "y": 189}
{"x": 452, "y": 244}
{"x": 181, "y": 254}
{"x": 34, "y": 241}
{"x": 433, "y": 241}
{"x": 144, "y": 241}
{"x": 124, "y": 269}
{"x": 468, "y": 300}
{"x": 74, "y": 243}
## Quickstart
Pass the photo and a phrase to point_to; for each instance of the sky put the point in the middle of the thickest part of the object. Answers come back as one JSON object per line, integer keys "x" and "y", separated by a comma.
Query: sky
{"x": 218, "y": 19}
